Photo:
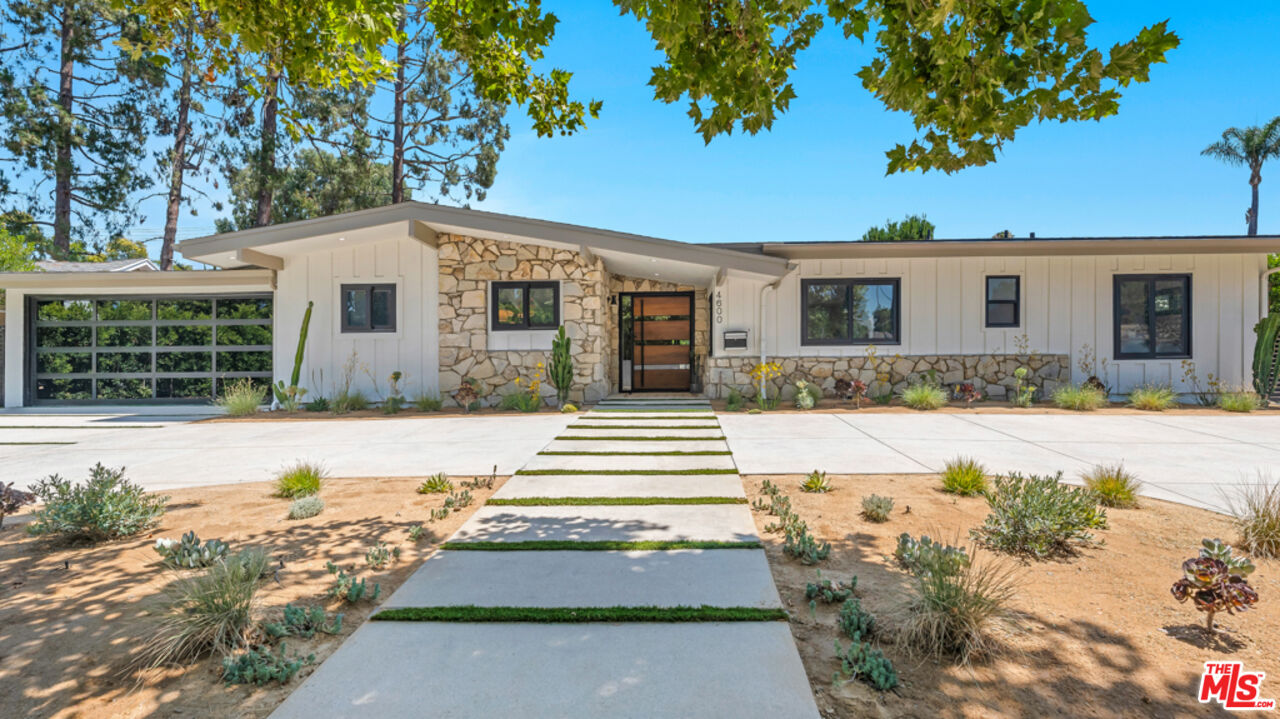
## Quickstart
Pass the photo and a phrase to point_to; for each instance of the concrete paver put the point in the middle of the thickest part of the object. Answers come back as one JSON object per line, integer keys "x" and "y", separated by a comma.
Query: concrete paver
{"x": 673, "y": 463}
{"x": 708, "y": 522}
{"x": 621, "y": 485}
{"x": 739, "y": 670}
{"x": 686, "y": 577}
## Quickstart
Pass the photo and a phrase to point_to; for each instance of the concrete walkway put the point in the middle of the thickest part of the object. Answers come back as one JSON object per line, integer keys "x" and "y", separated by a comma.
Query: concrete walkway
{"x": 1188, "y": 459}
{"x": 733, "y": 670}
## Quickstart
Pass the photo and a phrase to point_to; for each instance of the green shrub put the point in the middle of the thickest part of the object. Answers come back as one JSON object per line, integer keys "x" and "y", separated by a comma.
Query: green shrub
{"x": 964, "y": 476}
{"x": 734, "y": 402}
{"x": 437, "y": 483}
{"x": 393, "y": 405}
{"x": 1083, "y": 398}
{"x": 380, "y": 555}
{"x": 209, "y": 612}
{"x": 521, "y": 400}
{"x": 189, "y": 553}
{"x": 1255, "y": 509}
{"x": 1039, "y": 516}
{"x": 1115, "y": 486}
{"x": 11, "y": 500}
{"x": 319, "y": 404}
{"x": 886, "y": 398}
{"x": 860, "y": 661}
{"x": 303, "y": 622}
{"x": 954, "y": 606}
{"x": 1240, "y": 401}
{"x": 305, "y": 507}
{"x": 568, "y": 408}
{"x": 1153, "y": 398}
{"x": 816, "y": 482}
{"x": 807, "y": 394}
{"x": 106, "y": 506}
{"x": 921, "y": 555}
{"x": 350, "y": 401}
{"x": 300, "y": 479}
{"x": 241, "y": 397}
{"x": 260, "y": 665}
{"x": 428, "y": 402}
{"x": 876, "y": 508}
{"x": 347, "y": 588}
{"x": 924, "y": 396}
{"x": 829, "y": 592}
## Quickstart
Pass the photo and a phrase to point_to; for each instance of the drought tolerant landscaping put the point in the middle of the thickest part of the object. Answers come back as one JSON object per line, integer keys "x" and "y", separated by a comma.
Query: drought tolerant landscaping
{"x": 1093, "y": 631}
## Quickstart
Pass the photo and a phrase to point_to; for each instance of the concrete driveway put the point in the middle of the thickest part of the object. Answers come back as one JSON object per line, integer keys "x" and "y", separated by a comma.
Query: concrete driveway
{"x": 1187, "y": 459}
{"x": 169, "y": 452}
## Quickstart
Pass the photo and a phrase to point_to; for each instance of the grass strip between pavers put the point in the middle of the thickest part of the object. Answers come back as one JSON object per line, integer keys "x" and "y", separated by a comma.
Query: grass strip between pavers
{"x": 671, "y": 453}
{"x": 633, "y": 419}
{"x": 537, "y": 472}
{"x": 578, "y": 615}
{"x": 643, "y": 426}
{"x": 644, "y": 439}
{"x": 638, "y": 409}
{"x": 598, "y": 545}
{"x": 601, "y": 501}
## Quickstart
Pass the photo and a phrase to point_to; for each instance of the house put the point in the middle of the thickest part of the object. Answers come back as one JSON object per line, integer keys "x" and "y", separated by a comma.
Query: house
{"x": 441, "y": 294}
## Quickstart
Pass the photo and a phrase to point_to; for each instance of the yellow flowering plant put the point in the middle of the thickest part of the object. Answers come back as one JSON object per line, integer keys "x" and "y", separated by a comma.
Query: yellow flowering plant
{"x": 762, "y": 373}
{"x": 529, "y": 397}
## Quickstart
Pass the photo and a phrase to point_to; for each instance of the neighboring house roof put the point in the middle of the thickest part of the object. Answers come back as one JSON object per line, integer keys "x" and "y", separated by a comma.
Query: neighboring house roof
{"x": 133, "y": 265}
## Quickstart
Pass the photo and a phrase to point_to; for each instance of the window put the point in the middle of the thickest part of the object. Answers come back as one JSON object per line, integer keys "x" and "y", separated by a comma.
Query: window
{"x": 368, "y": 308}
{"x": 850, "y": 312}
{"x": 525, "y": 305}
{"x": 1152, "y": 316}
{"x": 1003, "y": 296}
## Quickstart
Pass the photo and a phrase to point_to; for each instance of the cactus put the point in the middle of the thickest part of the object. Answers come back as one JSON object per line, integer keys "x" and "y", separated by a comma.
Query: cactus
{"x": 189, "y": 553}
{"x": 279, "y": 389}
{"x": 1265, "y": 371}
{"x": 560, "y": 373}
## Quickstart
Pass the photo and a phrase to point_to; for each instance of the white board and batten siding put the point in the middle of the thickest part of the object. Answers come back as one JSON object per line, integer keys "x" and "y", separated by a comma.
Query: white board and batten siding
{"x": 413, "y": 348}
{"x": 1066, "y": 304}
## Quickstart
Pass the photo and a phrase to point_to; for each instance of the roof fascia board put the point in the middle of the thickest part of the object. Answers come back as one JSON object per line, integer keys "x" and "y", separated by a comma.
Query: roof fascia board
{"x": 142, "y": 281}
{"x": 1024, "y": 248}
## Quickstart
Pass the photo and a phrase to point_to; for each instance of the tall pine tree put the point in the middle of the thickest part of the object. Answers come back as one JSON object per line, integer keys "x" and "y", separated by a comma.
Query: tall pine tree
{"x": 70, "y": 100}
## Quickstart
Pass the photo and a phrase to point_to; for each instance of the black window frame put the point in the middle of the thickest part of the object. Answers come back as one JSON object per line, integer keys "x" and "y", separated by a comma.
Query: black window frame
{"x": 369, "y": 288}
{"x": 1016, "y": 302}
{"x": 1151, "y": 280}
{"x": 526, "y": 287}
{"x": 849, "y": 282}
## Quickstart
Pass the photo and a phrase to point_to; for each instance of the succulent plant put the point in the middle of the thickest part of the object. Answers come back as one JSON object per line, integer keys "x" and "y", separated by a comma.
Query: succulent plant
{"x": 829, "y": 592}
{"x": 189, "y": 553}
{"x": 1215, "y": 581}
{"x": 919, "y": 555}
{"x": 816, "y": 482}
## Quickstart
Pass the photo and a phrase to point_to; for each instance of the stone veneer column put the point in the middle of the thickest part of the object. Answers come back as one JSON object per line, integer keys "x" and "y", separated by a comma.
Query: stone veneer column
{"x": 467, "y": 265}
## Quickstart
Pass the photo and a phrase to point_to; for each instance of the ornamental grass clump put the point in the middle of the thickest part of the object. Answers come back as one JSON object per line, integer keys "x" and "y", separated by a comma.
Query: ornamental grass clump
{"x": 924, "y": 396}
{"x": 955, "y": 606}
{"x": 1215, "y": 581}
{"x": 964, "y": 476}
{"x": 1240, "y": 401}
{"x": 1039, "y": 516}
{"x": 209, "y": 612}
{"x": 1082, "y": 398}
{"x": 106, "y": 506}
{"x": 300, "y": 479}
{"x": 241, "y": 398}
{"x": 1255, "y": 511}
{"x": 1153, "y": 398}
{"x": 1115, "y": 486}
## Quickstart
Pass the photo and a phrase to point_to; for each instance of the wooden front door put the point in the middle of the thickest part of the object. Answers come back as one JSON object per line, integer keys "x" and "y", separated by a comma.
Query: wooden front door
{"x": 657, "y": 337}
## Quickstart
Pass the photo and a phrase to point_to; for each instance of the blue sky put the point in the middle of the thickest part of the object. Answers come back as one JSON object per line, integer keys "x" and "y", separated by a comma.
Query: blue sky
{"x": 819, "y": 174}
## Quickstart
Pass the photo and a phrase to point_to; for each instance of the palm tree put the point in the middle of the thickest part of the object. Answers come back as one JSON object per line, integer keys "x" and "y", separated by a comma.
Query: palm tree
{"x": 1250, "y": 146}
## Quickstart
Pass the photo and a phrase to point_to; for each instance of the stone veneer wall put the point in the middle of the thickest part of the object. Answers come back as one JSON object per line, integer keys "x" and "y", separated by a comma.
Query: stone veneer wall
{"x": 467, "y": 265}
{"x": 701, "y": 317}
{"x": 992, "y": 373}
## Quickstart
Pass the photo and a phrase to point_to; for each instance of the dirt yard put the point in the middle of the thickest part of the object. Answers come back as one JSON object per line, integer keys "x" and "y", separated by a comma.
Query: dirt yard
{"x": 1100, "y": 636}
{"x": 71, "y": 618}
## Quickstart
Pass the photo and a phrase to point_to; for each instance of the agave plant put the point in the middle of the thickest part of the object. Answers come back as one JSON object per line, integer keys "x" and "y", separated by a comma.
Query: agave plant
{"x": 1215, "y": 581}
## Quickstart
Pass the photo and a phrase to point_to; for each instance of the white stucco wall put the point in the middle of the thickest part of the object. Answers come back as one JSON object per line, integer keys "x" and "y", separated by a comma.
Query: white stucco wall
{"x": 1066, "y": 304}
{"x": 413, "y": 348}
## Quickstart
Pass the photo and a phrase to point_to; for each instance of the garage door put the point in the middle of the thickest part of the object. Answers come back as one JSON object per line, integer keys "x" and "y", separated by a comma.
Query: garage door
{"x": 145, "y": 349}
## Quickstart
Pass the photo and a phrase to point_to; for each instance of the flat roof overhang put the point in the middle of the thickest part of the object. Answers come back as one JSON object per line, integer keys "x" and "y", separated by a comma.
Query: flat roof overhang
{"x": 1023, "y": 247}
{"x": 240, "y": 280}
{"x": 624, "y": 253}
